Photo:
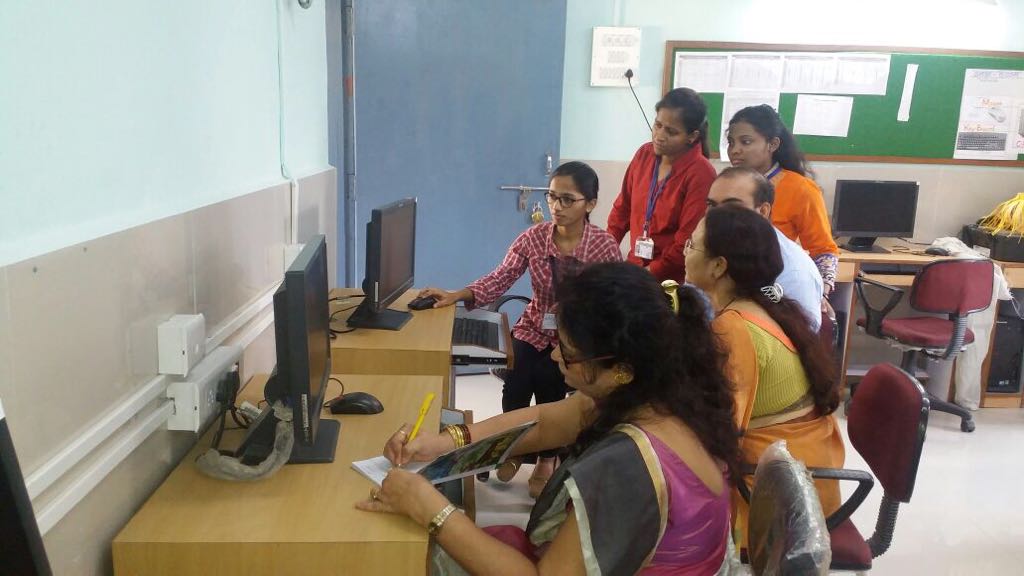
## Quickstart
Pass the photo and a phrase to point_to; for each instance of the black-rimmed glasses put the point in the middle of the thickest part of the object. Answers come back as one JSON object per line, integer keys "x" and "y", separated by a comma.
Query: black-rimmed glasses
{"x": 565, "y": 201}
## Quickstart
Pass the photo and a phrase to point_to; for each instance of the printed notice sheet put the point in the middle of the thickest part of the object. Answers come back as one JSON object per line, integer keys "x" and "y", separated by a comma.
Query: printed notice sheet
{"x": 991, "y": 124}
{"x": 822, "y": 115}
{"x": 615, "y": 50}
{"x": 480, "y": 456}
{"x": 702, "y": 71}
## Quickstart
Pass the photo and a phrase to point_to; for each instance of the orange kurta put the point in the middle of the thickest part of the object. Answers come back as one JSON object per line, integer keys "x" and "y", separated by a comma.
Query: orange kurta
{"x": 816, "y": 442}
{"x": 799, "y": 213}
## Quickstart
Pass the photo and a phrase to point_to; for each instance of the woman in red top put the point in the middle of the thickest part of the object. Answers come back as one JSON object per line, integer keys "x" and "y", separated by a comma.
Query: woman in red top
{"x": 759, "y": 140}
{"x": 666, "y": 187}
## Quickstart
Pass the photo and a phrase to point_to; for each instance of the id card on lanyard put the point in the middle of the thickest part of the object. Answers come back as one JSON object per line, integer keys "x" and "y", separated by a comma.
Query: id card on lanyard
{"x": 560, "y": 268}
{"x": 644, "y": 247}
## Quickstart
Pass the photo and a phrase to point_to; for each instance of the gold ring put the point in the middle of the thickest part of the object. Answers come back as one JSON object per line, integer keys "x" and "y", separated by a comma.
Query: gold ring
{"x": 402, "y": 432}
{"x": 375, "y": 494}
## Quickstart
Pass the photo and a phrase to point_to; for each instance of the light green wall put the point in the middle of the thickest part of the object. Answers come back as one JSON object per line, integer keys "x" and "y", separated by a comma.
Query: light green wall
{"x": 118, "y": 113}
{"x": 605, "y": 123}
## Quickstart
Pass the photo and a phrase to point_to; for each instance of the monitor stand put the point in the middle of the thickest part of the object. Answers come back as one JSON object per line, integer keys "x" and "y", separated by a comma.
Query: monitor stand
{"x": 863, "y": 244}
{"x": 387, "y": 319}
{"x": 259, "y": 442}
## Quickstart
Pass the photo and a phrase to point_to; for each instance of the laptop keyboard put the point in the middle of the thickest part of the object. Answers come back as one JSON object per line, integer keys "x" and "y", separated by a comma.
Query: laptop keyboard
{"x": 477, "y": 333}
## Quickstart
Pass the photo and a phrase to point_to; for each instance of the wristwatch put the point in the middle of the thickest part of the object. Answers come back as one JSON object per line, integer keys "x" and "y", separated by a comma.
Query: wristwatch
{"x": 437, "y": 521}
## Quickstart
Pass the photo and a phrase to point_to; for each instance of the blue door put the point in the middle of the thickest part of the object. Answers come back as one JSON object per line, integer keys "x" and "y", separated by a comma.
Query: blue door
{"x": 454, "y": 99}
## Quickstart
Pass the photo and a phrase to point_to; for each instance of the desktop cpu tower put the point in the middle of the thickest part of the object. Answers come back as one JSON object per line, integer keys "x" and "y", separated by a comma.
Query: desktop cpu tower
{"x": 1007, "y": 362}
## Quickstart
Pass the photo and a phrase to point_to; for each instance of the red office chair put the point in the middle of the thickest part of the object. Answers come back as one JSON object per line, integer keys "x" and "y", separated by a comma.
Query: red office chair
{"x": 886, "y": 424}
{"x": 956, "y": 288}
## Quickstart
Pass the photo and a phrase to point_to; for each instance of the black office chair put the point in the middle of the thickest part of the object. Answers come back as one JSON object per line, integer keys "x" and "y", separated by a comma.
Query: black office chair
{"x": 502, "y": 372}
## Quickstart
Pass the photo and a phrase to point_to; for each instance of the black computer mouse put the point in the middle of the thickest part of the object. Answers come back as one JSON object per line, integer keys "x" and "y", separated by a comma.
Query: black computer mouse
{"x": 355, "y": 403}
{"x": 422, "y": 302}
{"x": 937, "y": 251}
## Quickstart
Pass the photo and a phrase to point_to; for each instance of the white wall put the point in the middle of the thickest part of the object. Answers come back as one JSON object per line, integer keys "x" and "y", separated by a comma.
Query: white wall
{"x": 123, "y": 112}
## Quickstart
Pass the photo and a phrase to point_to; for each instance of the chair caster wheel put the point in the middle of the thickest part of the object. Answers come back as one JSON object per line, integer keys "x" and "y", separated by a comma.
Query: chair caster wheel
{"x": 967, "y": 425}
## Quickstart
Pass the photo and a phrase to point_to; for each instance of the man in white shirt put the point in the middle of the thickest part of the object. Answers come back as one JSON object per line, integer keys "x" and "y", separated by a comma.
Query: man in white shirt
{"x": 800, "y": 279}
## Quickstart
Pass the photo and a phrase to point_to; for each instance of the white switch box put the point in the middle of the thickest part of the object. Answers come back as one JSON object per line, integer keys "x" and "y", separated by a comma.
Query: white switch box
{"x": 181, "y": 341}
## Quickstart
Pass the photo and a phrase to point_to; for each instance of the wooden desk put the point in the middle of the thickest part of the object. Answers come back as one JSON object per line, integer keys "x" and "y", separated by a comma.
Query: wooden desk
{"x": 422, "y": 347}
{"x": 850, "y": 264}
{"x": 299, "y": 521}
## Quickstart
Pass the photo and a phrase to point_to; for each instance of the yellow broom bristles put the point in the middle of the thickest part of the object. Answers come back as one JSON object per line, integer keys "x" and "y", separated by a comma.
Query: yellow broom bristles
{"x": 1007, "y": 217}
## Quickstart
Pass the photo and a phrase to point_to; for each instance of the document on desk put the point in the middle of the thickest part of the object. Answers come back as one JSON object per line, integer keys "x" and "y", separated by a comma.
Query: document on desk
{"x": 480, "y": 456}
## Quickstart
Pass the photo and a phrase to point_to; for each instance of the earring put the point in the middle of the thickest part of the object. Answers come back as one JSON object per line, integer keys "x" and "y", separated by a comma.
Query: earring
{"x": 623, "y": 377}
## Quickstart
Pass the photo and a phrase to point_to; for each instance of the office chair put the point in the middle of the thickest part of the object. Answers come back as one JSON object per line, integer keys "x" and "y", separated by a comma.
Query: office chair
{"x": 956, "y": 288}
{"x": 501, "y": 373}
{"x": 786, "y": 533}
{"x": 886, "y": 425}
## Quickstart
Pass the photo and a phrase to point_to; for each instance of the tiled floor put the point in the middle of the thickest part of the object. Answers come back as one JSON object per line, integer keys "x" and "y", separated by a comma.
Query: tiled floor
{"x": 966, "y": 516}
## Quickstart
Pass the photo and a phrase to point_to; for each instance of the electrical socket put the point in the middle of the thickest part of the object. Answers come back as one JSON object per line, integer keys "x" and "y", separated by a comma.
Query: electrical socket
{"x": 195, "y": 397}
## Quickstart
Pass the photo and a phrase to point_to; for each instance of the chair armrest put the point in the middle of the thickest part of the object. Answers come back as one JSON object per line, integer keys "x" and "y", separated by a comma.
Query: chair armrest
{"x": 874, "y": 316}
{"x": 494, "y": 306}
{"x": 864, "y": 484}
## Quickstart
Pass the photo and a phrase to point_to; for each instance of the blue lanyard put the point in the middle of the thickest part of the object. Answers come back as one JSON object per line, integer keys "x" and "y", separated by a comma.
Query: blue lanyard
{"x": 776, "y": 168}
{"x": 654, "y": 192}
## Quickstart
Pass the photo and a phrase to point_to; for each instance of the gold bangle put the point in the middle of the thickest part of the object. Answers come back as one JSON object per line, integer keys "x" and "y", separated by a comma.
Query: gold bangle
{"x": 465, "y": 433}
{"x": 438, "y": 521}
{"x": 456, "y": 435}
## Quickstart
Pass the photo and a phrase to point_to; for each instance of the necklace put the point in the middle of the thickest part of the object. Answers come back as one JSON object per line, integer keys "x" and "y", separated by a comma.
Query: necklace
{"x": 727, "y": 304}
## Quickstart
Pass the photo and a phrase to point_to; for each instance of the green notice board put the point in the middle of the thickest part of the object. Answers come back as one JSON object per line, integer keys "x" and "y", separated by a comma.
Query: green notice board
{"x": 875, "y": 135}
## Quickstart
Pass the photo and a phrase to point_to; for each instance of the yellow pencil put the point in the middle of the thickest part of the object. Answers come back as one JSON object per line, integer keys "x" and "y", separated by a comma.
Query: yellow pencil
{"x": 423, "y": 413}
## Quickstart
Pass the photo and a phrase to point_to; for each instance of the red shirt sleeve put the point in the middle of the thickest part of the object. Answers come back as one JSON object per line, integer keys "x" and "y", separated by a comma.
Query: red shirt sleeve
{"x": 618, "y": 218}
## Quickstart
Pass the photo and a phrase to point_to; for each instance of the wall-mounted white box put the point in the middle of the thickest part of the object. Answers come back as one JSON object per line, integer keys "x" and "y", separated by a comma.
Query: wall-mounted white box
{"x": 181, "y": 342}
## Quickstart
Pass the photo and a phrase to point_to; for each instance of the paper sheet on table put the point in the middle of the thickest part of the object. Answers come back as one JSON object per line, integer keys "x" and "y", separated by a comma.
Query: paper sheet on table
{"x": 736, "y": 100}
{"x": 615, "y": 49}
{"x": 756, "y": 71}
{"x": 822, "y": 115}
{"x": 903, "y": 114}
{"x": 702, "y": 71}
{"x": 990, "y": 124}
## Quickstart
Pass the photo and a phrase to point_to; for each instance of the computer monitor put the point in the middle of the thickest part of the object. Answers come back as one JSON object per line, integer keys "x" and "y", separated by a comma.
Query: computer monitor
{"x": 21, "y": 545}
{"x": 303, "y": 339}
{"x": 868, "y": 209}
{"x": 390, "y": 263}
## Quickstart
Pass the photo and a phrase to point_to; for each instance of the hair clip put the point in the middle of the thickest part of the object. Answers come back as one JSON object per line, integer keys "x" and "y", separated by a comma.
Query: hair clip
{"x": 773, "y": 292}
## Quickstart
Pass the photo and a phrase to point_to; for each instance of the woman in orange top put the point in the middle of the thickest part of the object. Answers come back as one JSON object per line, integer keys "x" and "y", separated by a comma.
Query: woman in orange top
{"x": 758, "y": 139}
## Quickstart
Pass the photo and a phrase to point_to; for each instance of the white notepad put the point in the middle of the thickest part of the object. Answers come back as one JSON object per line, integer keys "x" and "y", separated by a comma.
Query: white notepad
{"x": 480, "y": 456}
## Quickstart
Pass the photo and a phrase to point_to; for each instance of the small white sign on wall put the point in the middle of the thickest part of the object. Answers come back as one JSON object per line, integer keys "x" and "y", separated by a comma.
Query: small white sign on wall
{"x": 615, "y": 50}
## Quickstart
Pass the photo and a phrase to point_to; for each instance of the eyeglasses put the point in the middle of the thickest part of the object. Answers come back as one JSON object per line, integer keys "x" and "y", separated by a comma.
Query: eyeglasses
{"x": 563, "y": 201}
{"x": 689, "y": 246}
{"x": 570, "y": 361}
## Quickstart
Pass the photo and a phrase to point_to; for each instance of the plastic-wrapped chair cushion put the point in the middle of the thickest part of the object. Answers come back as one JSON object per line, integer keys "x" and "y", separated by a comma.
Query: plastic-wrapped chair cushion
{"x": 787, "y": 532}
{"x": 883, "y": 424}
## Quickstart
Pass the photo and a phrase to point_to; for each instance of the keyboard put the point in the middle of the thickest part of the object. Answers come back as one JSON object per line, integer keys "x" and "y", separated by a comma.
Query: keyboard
{"x": 477, "y": 333}
{"x": 981, "y": 141}
{"x": 870, "y": 268}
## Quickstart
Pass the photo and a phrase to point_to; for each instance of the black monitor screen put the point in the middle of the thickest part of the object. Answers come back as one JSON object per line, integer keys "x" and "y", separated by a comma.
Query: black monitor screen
{"x": 21, "y": 546}
{"x": 304, "y": 337}
{"x": 874, "y": 208}
{"x": 395, "y": 246}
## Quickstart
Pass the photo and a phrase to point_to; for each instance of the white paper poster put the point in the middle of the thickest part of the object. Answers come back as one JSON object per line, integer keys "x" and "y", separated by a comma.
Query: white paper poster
{"x": 615, "y": 50}
{"x": 702, "y": 71}
{"x": 756, "y": 71}
{"x": 822, "y": 115}
{"x": 903, "y": 114}
{"x": 736, "y": 100}
{"x": 862, "y": 74}
{"x": 990, "y": 123}
{"x": 809, "y": 72}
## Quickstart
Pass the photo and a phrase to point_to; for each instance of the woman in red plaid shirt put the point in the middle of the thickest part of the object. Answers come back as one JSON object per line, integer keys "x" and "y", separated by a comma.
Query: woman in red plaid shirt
{"x": 550, "y": 251}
